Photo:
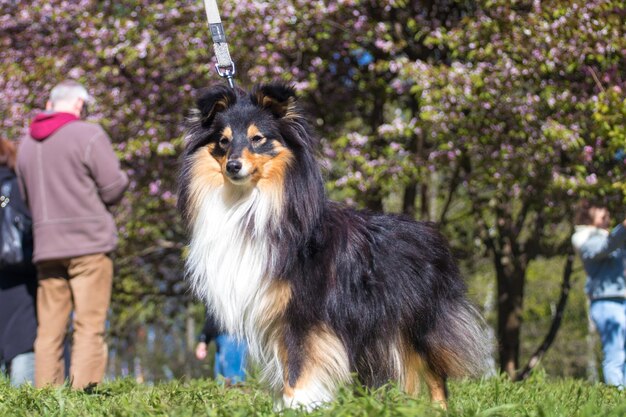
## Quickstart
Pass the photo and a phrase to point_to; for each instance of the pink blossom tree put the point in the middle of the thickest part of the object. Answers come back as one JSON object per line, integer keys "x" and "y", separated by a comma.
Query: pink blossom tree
{"x": 491, "y": 117}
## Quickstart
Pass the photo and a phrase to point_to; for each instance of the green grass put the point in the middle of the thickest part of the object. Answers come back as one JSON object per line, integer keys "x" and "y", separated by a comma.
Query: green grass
{"x": 538, "y": 397}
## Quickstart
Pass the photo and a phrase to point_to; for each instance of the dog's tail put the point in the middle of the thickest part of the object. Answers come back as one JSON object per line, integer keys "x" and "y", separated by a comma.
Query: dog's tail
{"x": 459, "y": 345}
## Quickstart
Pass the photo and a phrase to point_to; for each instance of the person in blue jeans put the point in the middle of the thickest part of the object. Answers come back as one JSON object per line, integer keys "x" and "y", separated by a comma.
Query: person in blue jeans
{"x": 230, "y": 354}
{"x": 603, "y": 253}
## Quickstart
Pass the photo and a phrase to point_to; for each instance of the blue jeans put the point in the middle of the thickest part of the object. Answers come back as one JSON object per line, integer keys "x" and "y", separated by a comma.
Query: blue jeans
{"x": 609, "y": 317}
{"x": 23, "y": 369}
{"x": 230, "y": 359}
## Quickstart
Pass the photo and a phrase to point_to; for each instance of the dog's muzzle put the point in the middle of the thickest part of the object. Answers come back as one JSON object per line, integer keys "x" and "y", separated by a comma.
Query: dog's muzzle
{"x": 233, "y": 167}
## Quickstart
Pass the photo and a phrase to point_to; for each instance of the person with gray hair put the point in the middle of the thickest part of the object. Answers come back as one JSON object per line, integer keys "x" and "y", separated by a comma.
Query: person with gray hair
{"x": 69, "y": 96}
{"x": 70, "y": 176}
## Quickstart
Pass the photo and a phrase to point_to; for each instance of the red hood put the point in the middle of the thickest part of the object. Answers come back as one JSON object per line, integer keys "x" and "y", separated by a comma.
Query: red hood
{"x": 45, "y": 124}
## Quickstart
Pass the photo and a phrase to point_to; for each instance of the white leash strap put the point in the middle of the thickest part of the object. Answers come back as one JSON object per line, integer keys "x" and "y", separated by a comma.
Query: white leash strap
{"x": 225, "y": 66}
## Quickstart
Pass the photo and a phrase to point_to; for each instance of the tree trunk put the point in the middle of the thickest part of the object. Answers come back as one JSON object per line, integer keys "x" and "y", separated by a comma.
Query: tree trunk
{"x": 556, "y": 321}
{"x": 510, "y": 276}
{"x": 416, "y": 145}
{"x": 373, "y": 200}
{"x": 408, "y": 202}
{"x": 190, "y": 326}
{"x": 425, "y": 203}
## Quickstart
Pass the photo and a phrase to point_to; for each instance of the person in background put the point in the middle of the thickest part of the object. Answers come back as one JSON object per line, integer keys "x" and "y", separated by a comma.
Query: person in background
{"x": 71, "y": 176}
{"x": 18, "y": 284}
{"x": 603, "y": 253}
{"x": 230, "y": 354}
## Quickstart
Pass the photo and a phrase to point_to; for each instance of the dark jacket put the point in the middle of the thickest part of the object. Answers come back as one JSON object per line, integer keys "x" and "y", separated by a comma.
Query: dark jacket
{"x": 70, "y": 175}
{"x": 18, "y": 287}
{"x": 210, "y": 329}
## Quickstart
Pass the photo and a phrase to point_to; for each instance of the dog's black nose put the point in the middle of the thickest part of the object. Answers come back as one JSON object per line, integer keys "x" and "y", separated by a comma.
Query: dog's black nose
{"x": 233, "y": 167}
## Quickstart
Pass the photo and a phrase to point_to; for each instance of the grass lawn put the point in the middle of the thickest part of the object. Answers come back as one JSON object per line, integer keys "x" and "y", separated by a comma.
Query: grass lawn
{"x": 539, "y": 396}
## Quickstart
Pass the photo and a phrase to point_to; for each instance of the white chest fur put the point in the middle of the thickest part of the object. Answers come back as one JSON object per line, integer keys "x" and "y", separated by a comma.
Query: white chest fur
{"x": 230, "y": 257}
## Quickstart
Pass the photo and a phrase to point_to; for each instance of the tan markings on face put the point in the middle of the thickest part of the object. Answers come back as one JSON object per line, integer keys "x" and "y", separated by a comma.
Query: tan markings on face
{"x": 271, "y": 178}
{"x": 276, "y": 168}
{"x": 227, "y": 132}
{"x": 206, "y": 176}
{"x": 253, "y": 131}
{"x": 223, "y": 160}
{"x": 256, "y": 162}
{"x": 255, "y": 137}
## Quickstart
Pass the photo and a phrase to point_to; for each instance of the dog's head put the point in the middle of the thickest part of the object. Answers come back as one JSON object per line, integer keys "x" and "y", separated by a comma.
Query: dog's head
{"x": 242, "y": 140}
{"x": 246, "y": 134}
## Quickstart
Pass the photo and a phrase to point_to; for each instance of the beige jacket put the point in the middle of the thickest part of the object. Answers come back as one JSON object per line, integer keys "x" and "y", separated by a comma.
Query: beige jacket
{"x": 69, "y": 178}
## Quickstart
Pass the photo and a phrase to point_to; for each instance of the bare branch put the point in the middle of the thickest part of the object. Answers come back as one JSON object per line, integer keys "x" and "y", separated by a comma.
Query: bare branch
{"x": 454, "y": 183}
{"x": 556, "y": 321}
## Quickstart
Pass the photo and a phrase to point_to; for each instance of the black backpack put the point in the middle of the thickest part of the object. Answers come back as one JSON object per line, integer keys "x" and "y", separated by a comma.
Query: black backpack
{"x": 15, "y": 229}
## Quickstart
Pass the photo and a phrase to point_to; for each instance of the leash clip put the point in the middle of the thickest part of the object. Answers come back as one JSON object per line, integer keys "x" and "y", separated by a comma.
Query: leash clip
{"x": 227, "y": 72}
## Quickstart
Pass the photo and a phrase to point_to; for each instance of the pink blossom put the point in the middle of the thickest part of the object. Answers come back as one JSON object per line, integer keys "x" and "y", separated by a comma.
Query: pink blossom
{"x": 591, "y": 179}
{"x": 154, "y": 187}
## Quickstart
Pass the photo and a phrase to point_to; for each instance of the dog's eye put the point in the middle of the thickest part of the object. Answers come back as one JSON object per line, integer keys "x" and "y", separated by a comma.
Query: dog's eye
{"x": 256, "y": 139}
{"x": 224, "y": 141}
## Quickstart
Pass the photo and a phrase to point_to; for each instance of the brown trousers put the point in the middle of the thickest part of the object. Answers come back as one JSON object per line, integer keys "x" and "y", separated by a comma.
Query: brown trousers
{"x": 82, "y": 284}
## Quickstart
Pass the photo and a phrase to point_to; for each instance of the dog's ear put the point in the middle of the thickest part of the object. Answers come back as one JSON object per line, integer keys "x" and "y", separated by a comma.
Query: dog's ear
{"x": 214, "y": 100}
{"x": 278, "y": 98}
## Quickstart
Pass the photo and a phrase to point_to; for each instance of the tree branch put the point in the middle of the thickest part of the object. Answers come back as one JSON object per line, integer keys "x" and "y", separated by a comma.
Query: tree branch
{"x": 521, "y": 217}
{"x": 556, "y": 321}
{"x": 161, "y": 244}
{"x": 454, "y": 183}
{"x": 533, "y": 246}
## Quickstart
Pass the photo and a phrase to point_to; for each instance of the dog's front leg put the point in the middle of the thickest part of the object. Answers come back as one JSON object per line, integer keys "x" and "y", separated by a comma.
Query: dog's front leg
{"x": 306, "y": 394}
{"x": 313, "y": 374}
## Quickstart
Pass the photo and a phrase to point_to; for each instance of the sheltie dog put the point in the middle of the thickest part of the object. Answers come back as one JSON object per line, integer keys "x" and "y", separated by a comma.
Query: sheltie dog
{"x": 323, "y": 294}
